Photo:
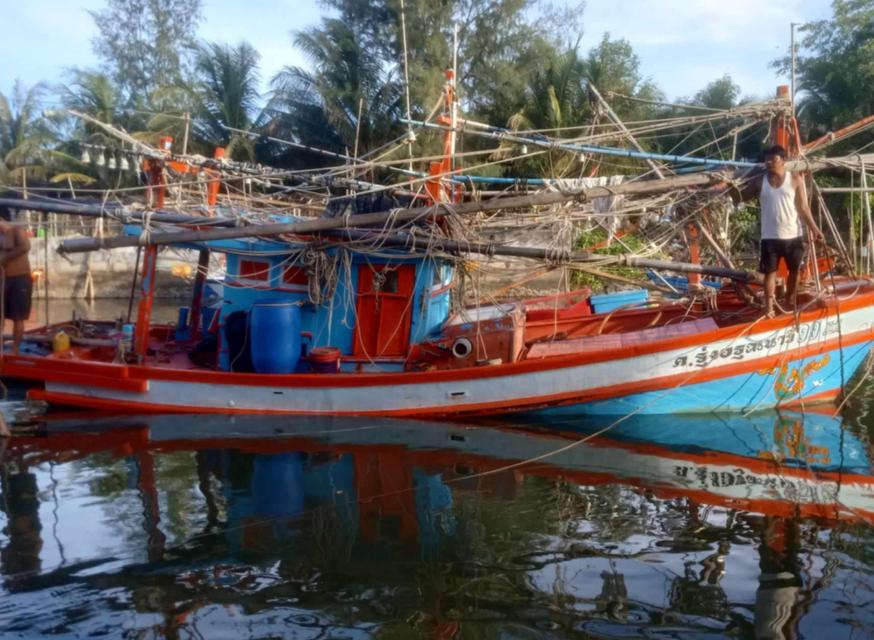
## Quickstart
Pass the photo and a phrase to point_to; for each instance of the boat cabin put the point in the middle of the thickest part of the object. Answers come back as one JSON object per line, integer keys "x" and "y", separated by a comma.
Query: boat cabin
{"x": 362, "y": 310}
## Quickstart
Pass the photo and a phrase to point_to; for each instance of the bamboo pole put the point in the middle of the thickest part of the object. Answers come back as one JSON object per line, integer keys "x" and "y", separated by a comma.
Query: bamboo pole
{"x": 110, "y": 210}
{"x": 835, "y": 136}
{"x": 497, "y": 133}
{"x": 45, "y": 274}
{"x": 408, "y": 241}
{"x": 866, "y": 202}
{"x": 621, "y": 126}
{"x": 816, "y": 193}
{"x": 643, "y": 187}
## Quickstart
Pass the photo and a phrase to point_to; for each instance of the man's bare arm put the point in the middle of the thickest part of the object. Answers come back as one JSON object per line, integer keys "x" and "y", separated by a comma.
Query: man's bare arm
{"x": 803, "y": 208}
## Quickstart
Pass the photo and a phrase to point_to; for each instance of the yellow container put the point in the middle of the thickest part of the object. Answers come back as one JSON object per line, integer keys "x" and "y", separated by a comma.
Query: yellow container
{"x": 60, "y": 342}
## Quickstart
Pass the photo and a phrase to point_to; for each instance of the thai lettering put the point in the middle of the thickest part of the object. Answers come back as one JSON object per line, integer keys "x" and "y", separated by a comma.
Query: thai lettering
{"x": 787, "y": 338}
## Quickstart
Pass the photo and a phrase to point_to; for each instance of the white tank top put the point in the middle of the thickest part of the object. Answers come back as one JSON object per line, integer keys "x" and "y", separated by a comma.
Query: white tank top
{"x": 779, "y": 216}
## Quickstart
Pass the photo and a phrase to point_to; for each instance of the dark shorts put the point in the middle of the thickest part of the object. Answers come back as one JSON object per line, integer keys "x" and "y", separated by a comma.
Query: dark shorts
{"x": 792, "y": 251}
{"x": 17, "y": 293}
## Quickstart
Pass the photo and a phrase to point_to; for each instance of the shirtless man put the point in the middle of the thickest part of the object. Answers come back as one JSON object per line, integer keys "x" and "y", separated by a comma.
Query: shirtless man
{"x": 783, "y": 205}
{"x": 17, "y": 281}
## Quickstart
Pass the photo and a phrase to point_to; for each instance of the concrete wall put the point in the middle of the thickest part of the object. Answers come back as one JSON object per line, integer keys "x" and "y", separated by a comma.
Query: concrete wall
{"x": 105, "y": 274}
{"x": 108, "y": 274}
{"x": 504, "y": 271}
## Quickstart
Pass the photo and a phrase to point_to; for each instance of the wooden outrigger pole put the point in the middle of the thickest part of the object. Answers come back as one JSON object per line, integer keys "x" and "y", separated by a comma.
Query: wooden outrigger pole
{"x": 410, "y": 241}
{"x": 647, "y": 187}
{"x": 643, "y": 187}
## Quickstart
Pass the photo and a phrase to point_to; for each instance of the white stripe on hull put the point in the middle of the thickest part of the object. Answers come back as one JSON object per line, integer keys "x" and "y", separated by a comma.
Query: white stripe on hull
{"x": 454, "y": 396}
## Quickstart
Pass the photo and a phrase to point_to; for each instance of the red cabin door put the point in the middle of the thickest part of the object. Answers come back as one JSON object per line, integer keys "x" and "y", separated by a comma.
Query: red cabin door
{"x": 383, "y": 310}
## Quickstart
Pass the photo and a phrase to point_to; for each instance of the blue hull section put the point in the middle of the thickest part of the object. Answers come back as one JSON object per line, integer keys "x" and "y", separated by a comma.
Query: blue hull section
{"x": 795, "y": 381}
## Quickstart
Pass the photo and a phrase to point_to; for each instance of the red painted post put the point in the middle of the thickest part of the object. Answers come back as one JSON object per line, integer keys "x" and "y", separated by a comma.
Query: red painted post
{"x": 155, "y": 539}
{"x": 780, "y": 126}
{"x": 214, "y": 184}
{"x": 197, "y": 297}
{"x": 694, "y": 254}
{"x": 147, "y": 295}
{"x": 440, "y": 171}
{"x": 155, "y": 171}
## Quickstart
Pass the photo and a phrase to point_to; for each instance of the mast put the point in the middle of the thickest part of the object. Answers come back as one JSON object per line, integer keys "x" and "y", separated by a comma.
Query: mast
{"x": 439, "y": 170}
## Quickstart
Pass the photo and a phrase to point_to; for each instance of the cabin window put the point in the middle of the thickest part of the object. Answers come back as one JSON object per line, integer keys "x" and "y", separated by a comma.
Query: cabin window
{"x": 385, "y": 281}
{"x": 295, "y": 275}
{"x": 254, "y": 270}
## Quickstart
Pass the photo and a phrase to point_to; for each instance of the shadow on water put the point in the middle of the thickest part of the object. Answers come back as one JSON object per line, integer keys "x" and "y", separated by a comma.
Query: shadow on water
{"x": 219, "y": 526}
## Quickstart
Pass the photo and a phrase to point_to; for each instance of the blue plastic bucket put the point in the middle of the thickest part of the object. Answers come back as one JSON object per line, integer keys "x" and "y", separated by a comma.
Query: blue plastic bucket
{"x": 274, "y": 334}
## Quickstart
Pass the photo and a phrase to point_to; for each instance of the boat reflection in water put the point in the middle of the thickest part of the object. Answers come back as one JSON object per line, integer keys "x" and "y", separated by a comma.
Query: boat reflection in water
{"x": 257, "y": 526}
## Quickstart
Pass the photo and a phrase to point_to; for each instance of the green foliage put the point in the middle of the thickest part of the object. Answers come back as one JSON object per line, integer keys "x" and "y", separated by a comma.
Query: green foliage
{"x": 835, "y": 69}
{"x": 95, "y": 94}
{"x": 357, "y": 60}
{"x": 715, "y": 139}
{"x": 321, "y": 107}
{"x": 146, "y": 44}
{"x": 519, "y": 63}
{"x": 25, "y": 136}
{"x": 556, "y": 97}
{"x": 743, "y": 229}
{"x": 719, "y": 94}
{"x": 595, "y": 240}
{"x": 613, "y": 67}
{"x": 225, "y": 94}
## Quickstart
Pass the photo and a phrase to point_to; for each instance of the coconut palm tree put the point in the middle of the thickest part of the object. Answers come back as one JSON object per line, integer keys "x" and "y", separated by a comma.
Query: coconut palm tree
{"x": 555, "y": 99}
{"x": 226, "y": 97}
{"x": 24, "y": 134}
{"x": 97, "y": 95}
{"x": 321, "y": 107}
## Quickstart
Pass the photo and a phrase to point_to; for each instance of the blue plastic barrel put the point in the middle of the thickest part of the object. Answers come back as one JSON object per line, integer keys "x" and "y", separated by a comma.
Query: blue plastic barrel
{"x": 274, "y": 334}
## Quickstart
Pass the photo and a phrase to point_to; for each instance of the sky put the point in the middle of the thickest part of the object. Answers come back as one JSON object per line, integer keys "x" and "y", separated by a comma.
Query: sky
{"x": 682, "y": 44}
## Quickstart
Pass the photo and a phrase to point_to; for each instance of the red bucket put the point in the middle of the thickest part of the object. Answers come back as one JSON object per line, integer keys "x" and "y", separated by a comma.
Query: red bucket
{"x": 325, "y": 360}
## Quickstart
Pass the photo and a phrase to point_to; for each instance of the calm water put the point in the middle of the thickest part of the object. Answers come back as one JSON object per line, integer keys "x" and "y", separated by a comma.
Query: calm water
{"x": 220, "y": 527}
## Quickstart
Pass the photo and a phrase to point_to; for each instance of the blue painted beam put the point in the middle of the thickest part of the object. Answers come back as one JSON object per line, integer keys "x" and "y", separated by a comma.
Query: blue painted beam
{"x": 500, "y": 133}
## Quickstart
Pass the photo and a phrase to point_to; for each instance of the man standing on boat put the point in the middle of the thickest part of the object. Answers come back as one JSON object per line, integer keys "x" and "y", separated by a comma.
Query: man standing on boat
{"x": 783, "y": 204}
{"x": 15, "y": 274}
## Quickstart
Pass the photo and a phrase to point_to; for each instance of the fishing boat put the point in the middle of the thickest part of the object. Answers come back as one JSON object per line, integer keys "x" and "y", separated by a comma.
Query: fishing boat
{"x": 329, "y": 316}
{"x": 392, "y": 348}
